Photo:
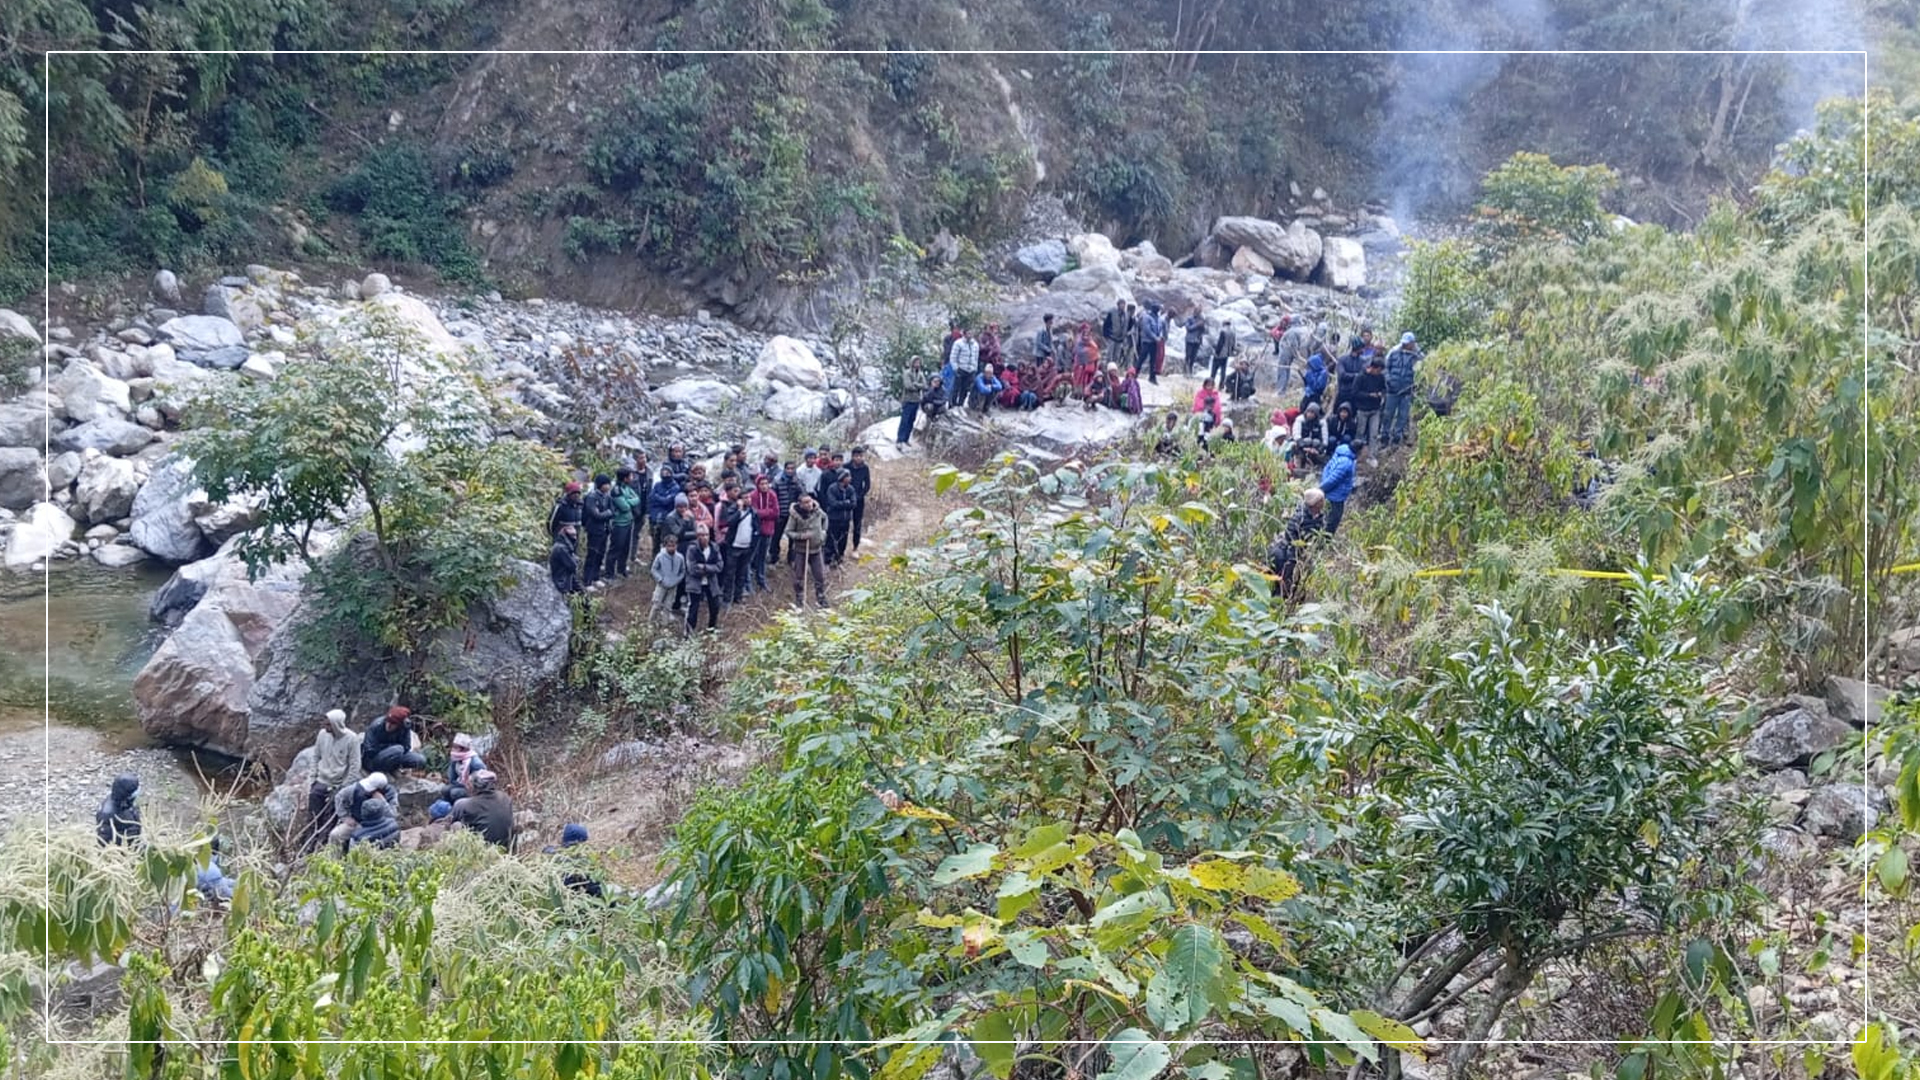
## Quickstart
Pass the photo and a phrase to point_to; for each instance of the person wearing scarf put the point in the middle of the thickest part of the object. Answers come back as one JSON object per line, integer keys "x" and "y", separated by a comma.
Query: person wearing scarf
{"x": 462, "y": 763}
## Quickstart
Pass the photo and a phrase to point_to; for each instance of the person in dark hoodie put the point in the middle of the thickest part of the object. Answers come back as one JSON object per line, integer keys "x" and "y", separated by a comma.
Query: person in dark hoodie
{"x": 379, "y": 820}
{"x": 842, "y": 501}
{"x": 118, "y": 819}
{"x": 346, "y": 806}
{"x": 786, "y": 487}
{"x": 563, "y": 565}
{"x": 488, "y": 811}
{"x": 1314, "y": 383}
{"x": 574, "y": 873}
{"x": 387, "y": 746}
{"x": 597, "y": 510}
{"x": 1341, "y": 426}
{"x": 567, "y": 511}
{"x": 677, "y": 464}
{"x": 660, "y": 502}
{"x": 1368, "y": 392}
{"x": 862, "y": 484}
{"x": 1349, "y": 370}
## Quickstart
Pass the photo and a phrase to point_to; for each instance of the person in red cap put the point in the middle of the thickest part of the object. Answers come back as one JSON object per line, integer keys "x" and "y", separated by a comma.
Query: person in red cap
{"x": 388, "y": 745}
{"x": 569, "y": 510}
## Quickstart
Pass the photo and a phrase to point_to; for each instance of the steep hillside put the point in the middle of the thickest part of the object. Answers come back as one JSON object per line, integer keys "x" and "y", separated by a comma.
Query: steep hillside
{"x": 763, "y": 184}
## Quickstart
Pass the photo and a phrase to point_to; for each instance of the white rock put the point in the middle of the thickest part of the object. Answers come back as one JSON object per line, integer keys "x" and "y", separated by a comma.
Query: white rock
{"x": 63, "y": 469}
{"x": 1248, "y": 261}
{"x": 106, "y": 488}
{"x": 90, "y": 394}
{"x": 102, "y": 532}
{"x": 706, "y": 396}
{"x": 1294, "y": 250}
{"x": 1343, "y": 264}
{"x": 259, "y": 366}
{"x": 162, "y": 523}
{"x": 38, "y": 535}
{"x": 1093, "y": 249}
{"x": 166, "y": 287}
{"x": 786, "y": 361}
{"x": 13, "y": 324}
{"x": 796, "y": 404}
{"x": 375, "y": 285}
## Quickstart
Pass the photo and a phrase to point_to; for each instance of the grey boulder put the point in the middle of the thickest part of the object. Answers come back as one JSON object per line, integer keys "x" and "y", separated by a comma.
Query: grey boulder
{"x": 1794, "y": 732}
{"x": 110, "y": 435}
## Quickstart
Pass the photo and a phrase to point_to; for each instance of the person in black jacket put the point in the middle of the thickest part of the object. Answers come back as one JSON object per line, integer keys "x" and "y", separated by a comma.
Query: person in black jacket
{"x": 1369, "y": 390}
{"x": 841, "y": 501}
{"x": 862, "y": 484}
{"x": 118, "y": 819}
{"x": 1348, "y": 371}
{"x": 1341, "y": 427}
{"x": 597, "y": 509}
{"x": 1284, "y": 557}
{"x": 562, "y": 564}
{"x": 568, "y": 511}
{"x": 706, "y": 572}
{"x": 1240, "y": 385}
{"x": 387, "y": 746}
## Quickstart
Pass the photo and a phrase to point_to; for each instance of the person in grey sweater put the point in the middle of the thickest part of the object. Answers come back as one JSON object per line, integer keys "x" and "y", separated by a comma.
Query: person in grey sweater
{"x": 336, "y": 763}
{"x": 669, "y": 573}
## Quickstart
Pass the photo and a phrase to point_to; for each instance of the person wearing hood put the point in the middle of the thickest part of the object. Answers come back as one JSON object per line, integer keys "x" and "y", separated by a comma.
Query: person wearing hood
{"x": 574, "y": 868}
{"x": 1309, "y": 438}
{"x": 1126, "y": 394}
{"x": 488, "y": 811}
{"x": 1402, "y": 364}
{"x": 660, "y": 503}
{"x": 117, "y": 821}
{"x": 387, "y": 746}
{"x": 569, "y": 510}
{"x": 1368, "y": 391}
{"x": 1342, "y": 428}
{"x": 346, "y": 806}
{"x": 378, "y": 818}
{"x": 563, "y": 562}
{"x": 807, "y": 530}
{"x": 462, "y": 763}
{"x": 1313, "y": 383}
{"x": 335, "y": 765}
{"x": 862, "y": 487}
{"x": 842, "y": 502}
{"x": 1336, "y": 482}
{"x": 1348, "y": 373}
{"x": 677, "y": 464}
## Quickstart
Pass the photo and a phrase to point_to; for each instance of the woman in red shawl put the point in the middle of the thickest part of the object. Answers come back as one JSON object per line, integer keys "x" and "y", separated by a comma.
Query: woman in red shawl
{"x": 990, "y": 348}
{"x": 1010, "y": 380}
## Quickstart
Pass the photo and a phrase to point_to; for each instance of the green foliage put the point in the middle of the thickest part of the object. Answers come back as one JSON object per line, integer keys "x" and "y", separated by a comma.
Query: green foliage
{"x": 1825, "y": 169}
{"x": 648, "y": 687}
{"x": 1443, "y": 300}
{"x": 376, "y": 433}
{"x": 404, "y": 214}
{"x": 1531, "y": 198}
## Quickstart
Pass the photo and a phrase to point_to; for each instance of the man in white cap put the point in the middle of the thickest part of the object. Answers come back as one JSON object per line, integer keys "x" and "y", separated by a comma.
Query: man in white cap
{"x": 336, "y": 763}
{"x": 346, "y": 806}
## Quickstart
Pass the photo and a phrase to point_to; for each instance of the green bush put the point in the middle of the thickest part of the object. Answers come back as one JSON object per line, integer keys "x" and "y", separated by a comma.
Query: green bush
{"x": 404, "y": 214}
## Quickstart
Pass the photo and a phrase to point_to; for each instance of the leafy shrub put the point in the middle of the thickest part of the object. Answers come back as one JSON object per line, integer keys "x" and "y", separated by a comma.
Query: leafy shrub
{"x": 1530, "y": 197}
{"x": 403, "y": 213}
{"x": 1443, "y": 299}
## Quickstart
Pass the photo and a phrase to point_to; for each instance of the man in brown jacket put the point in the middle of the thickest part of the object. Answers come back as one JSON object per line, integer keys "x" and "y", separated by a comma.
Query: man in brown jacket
{"x": 807, "y": 535}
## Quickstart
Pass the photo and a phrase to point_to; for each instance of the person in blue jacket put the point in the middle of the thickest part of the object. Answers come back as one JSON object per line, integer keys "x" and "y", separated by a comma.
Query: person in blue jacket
{"x": 1336, "y": 482}
{"x": 986, "y": 387}
{"x": 660, "y": 504}
{"x": 1314, "y": 382}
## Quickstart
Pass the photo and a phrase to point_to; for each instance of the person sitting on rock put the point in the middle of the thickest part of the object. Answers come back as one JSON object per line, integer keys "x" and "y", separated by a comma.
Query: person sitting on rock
{"x": 986, "y": 386}
{"x": 117, "y": 821}
{"x": 346, "y": 806}
{"x": 1240, "y": 383}
{"x": 462, "y": 763}
{"x": 1342, "y": 428}
{"x": 488, "y": 811}
{"x": 1126, "y": 393}
{"x": 573, "y": 866}
{"x": 212, "y": 881}
{"x": 435, "y": 830}
{"x": 388, "y": 745}
{"x": 1009, "y": 396}
{"x": 1206, "y": 405}
{"x": 379, "y": 821}
{"x": 1168, "y": 444}
{"x": 1095, "y": 392}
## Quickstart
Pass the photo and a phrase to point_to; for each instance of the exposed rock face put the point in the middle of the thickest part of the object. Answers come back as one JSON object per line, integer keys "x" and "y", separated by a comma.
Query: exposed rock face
{"x": 785, "y": 361}
{"x": 796, "y": 404}
{"x": 195, "y": 689}
{"x": 166, "y": 287}
{"x": 1855, "y": 702}
{"x": 30, "y": 418}
{"x": 15, "y": 325}
{"x": 520, "y": 640}
{"x": 1294, "y": 250}
{"x": 1797, "y": 730}
{"x": 38, "y": 535}
{"x": 188, "y": 585}
{"x": 1248, "y": 261}
{"x": 374, "y": 286}
{"x": 193, "y": 336}
{"x": 163, "y": 523}
{"x": 1093, "y": 249}
{"x": 22, "y": 481}
{"x": 1042, "y": 261}
{"x": 1842, "y": 811}
{"x": 1343, "y": 264}
{"x": 90, "y": 394}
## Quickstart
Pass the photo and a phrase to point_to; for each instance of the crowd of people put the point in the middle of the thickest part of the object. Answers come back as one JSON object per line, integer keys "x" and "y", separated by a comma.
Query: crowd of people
{"x": 714, "y": 540}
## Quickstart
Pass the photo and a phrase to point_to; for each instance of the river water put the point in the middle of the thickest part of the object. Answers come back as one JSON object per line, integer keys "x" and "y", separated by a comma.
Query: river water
{"x": 70, "y": 645}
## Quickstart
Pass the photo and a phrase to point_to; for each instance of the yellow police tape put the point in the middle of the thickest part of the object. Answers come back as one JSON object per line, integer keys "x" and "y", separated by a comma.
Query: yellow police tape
{"x": 1603, "y": 575}
{"x": 1905, "y": 568}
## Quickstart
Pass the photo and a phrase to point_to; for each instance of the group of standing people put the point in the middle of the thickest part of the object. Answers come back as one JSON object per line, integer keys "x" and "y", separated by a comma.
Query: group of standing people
{"x": 713, "y": 539}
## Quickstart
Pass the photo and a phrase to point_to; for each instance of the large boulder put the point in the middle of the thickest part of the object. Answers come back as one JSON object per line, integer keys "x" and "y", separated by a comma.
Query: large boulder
{"x": 163, "y": 524}
{"x": 15, "y": 325}
{"x": 786, "y": 361}
{"x": 28, "y": 419}
{"x": 195, "y": 690}
{"x": 1794, "y": 732}
{"x": 1294, "y": 250}
{"x": 1093, "y": 249}
{"x": 91, "y": 394}
{"x": 166, "y": 287}
{"x": 796, "y": 404}
{"x": 241, "y": 305}
{"x": 62, "y": 470}
{"x": 221, "y": 521}
{"x": 1102, "y": 278}
{"x": 106, "y": 488}
{"x": 123, "y": 364}
{"x": 38, "y": 535}
{"x": 705, "y": 396}
{"x": 1248, "y": 261}
{"x": 1066, "y": 429}
{"x": 193, "y": 336}
{"x": 516, "y": 642}
{"x": 1343, "y": 264}
{"x": 116, "y": 555}
{"x": 189, "y": 584}
{"x": 23, "y": 479}
{"x": 109, "y": 435}
{"x": 1842, "y": 811}
{"x": 1855, "y": 702}
{"x": 1040, "y": 261}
